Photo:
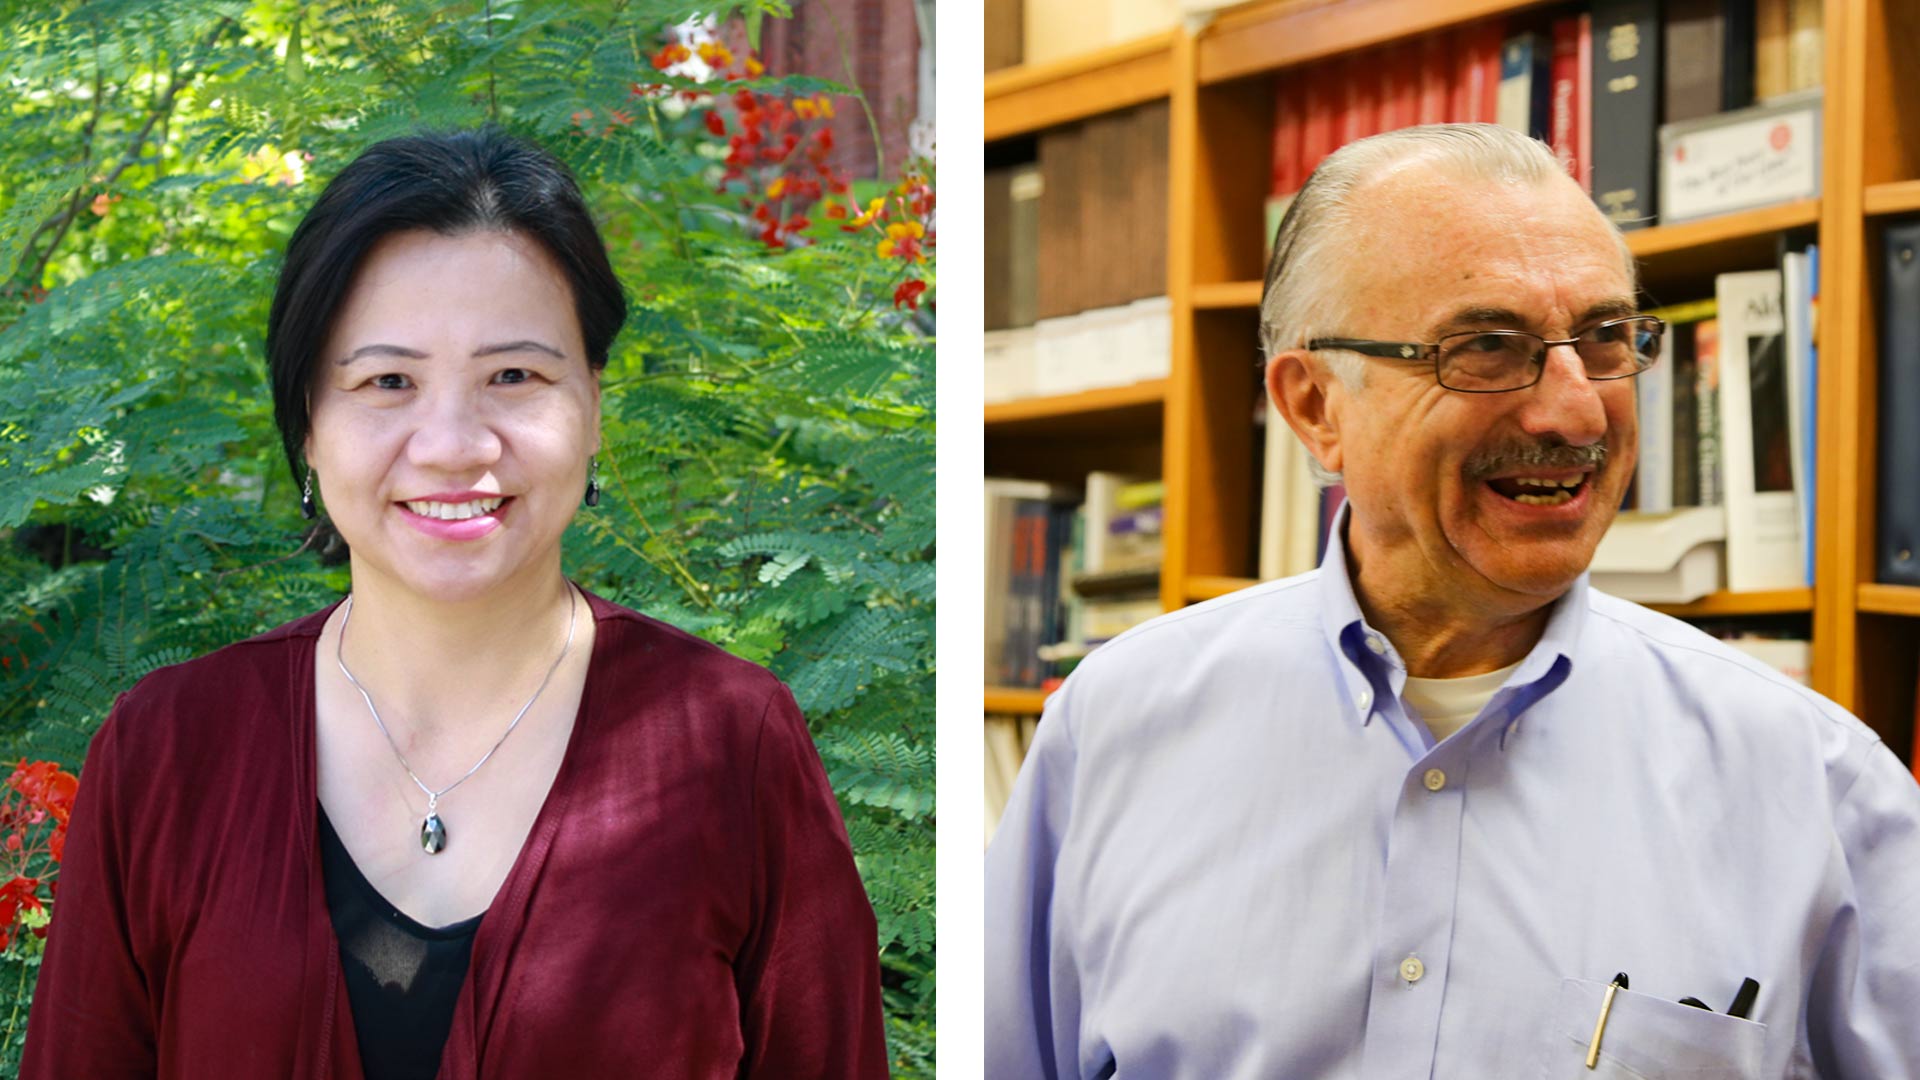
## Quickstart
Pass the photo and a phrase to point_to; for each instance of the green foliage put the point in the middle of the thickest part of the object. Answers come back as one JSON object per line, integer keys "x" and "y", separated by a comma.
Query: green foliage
{"x": 767, "y": 463}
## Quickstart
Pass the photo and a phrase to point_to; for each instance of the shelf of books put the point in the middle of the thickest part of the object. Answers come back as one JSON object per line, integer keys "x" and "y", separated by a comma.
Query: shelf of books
{"x": 1775, "y": 216}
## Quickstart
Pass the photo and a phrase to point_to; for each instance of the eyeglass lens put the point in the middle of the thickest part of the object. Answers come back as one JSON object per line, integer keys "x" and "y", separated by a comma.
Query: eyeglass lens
{"x": 1509, "y": 359}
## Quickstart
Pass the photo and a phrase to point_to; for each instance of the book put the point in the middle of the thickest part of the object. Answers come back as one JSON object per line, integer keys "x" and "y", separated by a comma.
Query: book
{"x": 996, "y": 199}
{"x": 1399, "y": 93}
{"x": 1475, "y": 96}
{"x": 1711, "y": 475}
{"x": 1653, "y": 400}
{"x": 1149, "y": 207}
{"x": 1570, "y": 130}
{"x": 1897, "y": 541}
{"x": 1524, "y": 98}
{"x": 1022, "y": 270}
{"x": 1806, "y": 41}
{"x": 1693, "y": 57}
{"x": 1003, "y": 38}
{"x": 1736, "y": 57}
{"x": 1286, "y": 174}
{"x": 1796, "y": 310}
{"x": 1764, "y": 546}
{"x": 1289, "y": 502}
{"x": 1359, "y": 98}
{"x": 1626, "y": 109}
{"x": 1059, "y": 293}
{"x": 1771, "y": 50}
{"x": 1676, "y": 429}
{"x": 1436, "y": 79}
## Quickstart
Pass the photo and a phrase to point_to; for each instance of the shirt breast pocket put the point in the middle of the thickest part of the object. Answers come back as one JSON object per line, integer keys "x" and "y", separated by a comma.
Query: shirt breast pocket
{"x": 1647, "y": 1038}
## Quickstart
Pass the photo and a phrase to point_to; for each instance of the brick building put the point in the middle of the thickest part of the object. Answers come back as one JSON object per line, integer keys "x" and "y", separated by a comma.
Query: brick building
{"x": 887, "y": 44}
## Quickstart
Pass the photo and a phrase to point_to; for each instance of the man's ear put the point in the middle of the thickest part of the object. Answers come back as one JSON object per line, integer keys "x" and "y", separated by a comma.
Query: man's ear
{"x": 1300, "y": 389}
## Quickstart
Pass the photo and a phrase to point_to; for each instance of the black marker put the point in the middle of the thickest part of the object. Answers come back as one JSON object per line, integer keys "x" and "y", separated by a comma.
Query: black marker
{"x": 1743, "y": 1001}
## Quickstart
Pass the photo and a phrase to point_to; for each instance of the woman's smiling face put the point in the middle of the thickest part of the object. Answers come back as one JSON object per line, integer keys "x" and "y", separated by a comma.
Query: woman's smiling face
{"x": 454, "y": 413}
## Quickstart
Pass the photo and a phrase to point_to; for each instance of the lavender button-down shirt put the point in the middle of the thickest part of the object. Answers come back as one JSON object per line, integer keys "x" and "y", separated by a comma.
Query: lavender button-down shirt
{"x": 1232, "y": 854}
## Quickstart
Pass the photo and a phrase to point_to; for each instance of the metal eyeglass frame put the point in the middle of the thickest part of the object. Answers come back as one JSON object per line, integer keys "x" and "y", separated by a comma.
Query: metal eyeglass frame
{"x": 1430, "y": 351}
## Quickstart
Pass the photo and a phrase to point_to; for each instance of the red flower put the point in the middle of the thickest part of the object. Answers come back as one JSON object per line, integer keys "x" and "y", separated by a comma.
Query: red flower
{"x": 716, "y": 124}
{"x": 909, "y": 293}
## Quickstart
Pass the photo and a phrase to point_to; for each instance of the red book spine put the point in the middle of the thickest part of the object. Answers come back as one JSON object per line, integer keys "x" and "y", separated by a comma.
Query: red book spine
{"x": 1317, "y": 126}
{"x": 1399, "y": 87}
{"x": 1476, "y": 77}
{"x": 1359, "y": 96}
{"x": 1289, "y": 123}
{"x": 1565, "y": 98}
{"x": 1436, "y": 79}
{"x": 1583, "y": 107}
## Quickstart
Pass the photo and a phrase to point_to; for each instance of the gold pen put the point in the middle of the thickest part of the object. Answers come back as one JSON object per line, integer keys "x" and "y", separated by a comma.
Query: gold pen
{"x": 1606, "y": 1006}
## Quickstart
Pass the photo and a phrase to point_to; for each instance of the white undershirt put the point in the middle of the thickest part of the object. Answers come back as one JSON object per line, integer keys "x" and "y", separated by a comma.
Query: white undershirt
{"x": 1448, "y": 704}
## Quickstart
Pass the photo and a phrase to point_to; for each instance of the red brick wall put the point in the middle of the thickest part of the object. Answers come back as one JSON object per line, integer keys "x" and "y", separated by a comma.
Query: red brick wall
{"x": 882, "y": 46}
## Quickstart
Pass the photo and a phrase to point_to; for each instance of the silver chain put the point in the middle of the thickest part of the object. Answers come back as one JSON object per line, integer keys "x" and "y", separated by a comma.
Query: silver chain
{"x": 433, "y": 797}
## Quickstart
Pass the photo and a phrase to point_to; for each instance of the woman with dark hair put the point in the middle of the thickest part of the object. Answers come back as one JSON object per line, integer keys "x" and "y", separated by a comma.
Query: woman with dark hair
{"x": 471, "y": 821}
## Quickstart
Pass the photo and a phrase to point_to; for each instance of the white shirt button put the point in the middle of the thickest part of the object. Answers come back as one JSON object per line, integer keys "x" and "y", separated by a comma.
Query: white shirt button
{"x": 1366, "y": 701}
{"x": 1411, "y": 969}
{"x": 1379, "y": 647}
{"x": 1435, "y": 779}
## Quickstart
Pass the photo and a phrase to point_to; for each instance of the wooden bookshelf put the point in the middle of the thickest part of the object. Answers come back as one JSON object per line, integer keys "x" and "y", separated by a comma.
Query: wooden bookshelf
{"x": 1775, "y": 602}
{"x": 1025, "y": 99}
{"x": 1206, "y": 587}
{"x": 1899, "y": 197}
{"x": 1880, "y": 599}
{"x": 1227, "y": 296}
{"x": 1217, "y": 76}
{"x": 1015, "y": 701}
{"x": 1132, "y": 405}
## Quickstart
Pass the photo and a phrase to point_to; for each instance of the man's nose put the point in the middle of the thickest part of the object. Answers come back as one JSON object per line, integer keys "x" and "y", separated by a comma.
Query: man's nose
{"x": 1565, "y": 402}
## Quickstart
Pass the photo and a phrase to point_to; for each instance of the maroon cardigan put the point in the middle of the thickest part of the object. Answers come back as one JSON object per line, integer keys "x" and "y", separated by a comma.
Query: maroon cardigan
{"x": 686, "y": 904}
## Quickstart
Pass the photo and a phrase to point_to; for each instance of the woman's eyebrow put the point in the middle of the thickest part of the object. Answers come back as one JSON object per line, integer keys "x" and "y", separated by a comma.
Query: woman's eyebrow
{"x": 484, "y": 350}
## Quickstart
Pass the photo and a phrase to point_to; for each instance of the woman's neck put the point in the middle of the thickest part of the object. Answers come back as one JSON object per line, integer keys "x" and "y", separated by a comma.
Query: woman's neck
{"x": 434, "y": 665}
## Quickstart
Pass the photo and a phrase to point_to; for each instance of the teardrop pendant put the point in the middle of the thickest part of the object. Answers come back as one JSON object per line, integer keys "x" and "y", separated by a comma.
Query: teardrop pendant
{"x": 433, "y": 834}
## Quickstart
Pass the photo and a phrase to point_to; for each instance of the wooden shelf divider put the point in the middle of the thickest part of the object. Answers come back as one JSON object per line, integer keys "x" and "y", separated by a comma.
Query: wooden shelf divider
{"x": 1026, "y": 99}
{"x": 1772, "y": 602}
{"x": 1015, "y": 700}
{"x": 1227, "y": 296}
{"x": 1896, "y": 198}
{"x": 1878, "y": 599}
{"x": 1050, "y": 414}
{"x": 1206, "y": 587}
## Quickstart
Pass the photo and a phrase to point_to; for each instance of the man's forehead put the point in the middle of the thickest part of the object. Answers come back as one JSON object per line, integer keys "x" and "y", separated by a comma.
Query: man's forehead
{"x": 1431, "y": 246}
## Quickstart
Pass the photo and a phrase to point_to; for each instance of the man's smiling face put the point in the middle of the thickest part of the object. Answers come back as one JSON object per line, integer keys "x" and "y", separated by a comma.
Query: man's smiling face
{"x": 1438, "y": 478}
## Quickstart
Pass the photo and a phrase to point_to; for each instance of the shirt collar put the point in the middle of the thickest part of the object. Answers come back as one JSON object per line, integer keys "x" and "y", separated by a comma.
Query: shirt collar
{"x": 1369, "y": 664}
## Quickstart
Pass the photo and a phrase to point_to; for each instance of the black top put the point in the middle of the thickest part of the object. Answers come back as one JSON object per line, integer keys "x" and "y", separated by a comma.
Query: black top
{"x": 402, "y": 977}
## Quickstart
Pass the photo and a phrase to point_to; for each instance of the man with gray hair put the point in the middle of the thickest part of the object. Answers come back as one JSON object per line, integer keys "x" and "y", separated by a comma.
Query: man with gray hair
{"x": 1439, "y": 809}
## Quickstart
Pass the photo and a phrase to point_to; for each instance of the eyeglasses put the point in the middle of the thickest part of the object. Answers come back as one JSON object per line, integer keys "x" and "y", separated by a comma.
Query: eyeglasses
{"x": 1496, "y": 361}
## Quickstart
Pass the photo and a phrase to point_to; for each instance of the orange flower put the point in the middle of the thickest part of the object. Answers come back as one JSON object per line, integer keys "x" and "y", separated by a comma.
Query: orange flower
{"x": 825, "y": 105}
{"x": 777, "y": 188}
{"x": 716, "y": 55}
{"x": 755, "y": 68}
{"x": 804, "y": 109}
{"x": 875, "y": 209}
{"x": 671, "y": 54}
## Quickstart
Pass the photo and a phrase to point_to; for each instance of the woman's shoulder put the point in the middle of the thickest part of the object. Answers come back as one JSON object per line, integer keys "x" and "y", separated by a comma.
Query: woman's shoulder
{"x": 214, "y": 694}
{"x": 653, "y": 658}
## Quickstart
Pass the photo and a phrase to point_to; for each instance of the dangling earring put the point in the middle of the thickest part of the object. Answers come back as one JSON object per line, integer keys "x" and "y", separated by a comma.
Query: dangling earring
{"x": 306, "y": 496}
{"x": 593, "y": 483}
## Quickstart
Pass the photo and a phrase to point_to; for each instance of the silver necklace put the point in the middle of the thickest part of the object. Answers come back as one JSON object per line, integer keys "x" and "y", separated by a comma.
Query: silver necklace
{"x": 433, "y": 831}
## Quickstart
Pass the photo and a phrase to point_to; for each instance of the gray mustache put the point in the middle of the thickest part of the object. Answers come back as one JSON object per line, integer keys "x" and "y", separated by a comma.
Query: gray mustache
{"x": 1539, "y": 455}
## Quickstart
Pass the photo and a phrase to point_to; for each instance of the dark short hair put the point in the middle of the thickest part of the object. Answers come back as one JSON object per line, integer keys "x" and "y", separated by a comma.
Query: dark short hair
{"x": 452, "y": 183}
